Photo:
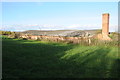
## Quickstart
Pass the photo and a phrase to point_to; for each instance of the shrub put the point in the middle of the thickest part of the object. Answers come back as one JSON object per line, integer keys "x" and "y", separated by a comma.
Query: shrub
{"x": 25, "y": 39}
{"x": 38, "y": 39}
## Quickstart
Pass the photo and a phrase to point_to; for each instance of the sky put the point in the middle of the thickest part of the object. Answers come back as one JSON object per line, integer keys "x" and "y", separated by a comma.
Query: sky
{"x": 20, "y": 16}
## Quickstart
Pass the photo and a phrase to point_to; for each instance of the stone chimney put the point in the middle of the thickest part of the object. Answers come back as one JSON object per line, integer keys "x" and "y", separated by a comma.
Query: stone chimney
{"x": 105, "y": 24}
{"x": 105, "y": 28}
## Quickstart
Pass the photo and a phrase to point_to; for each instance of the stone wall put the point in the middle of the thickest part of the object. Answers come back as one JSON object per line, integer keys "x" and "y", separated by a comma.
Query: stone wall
{"x": 58, "y": 38}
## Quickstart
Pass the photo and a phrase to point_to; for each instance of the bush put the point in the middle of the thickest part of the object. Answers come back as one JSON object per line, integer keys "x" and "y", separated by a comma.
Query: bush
{"x": 25, "y": 39}
{"x": 38, "y": 39}
{"x": 5, "y": 32}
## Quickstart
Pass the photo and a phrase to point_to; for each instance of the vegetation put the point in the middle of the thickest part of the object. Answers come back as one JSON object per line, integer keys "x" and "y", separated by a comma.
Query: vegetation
{"x": 40, "y": 59}
{"x": 99, "y": 31}
{"x": 97, "y": 42}
{"x": 6, "y": 32}
{"x": 114, "y": 35}
{"x": 11, "y": 34}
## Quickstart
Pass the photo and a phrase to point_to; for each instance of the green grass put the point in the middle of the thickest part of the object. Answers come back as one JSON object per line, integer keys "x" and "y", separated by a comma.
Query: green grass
{"x": 40, "y": 59}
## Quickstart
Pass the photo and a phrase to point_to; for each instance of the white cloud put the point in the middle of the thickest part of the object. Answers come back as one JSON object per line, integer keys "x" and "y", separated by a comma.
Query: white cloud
{"x": 84, "y": 27}
{"x": 113, "y": 28}
{"x": 21, "y": 27}
{"x": 60, "y": 0}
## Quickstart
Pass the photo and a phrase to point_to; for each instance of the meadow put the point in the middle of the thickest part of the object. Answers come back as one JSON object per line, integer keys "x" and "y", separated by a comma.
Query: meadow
{"x": 42, "y": 59}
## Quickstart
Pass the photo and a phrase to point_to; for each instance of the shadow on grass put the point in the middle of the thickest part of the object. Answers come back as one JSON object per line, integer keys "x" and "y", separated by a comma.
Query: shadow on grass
{"x": 115, "y": 70}
{"x": 32, "y": 59}
{"x": 25, "y": 60}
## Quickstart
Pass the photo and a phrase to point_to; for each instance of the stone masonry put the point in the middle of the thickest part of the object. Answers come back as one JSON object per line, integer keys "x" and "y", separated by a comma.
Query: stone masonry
{"x": 105, "y": 28}
{"x": 105, "y": 24}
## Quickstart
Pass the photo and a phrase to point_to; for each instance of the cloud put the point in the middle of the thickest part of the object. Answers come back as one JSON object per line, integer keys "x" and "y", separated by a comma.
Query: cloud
{"x": 39, "y": 3}
{"x": 83, "y": 27}
{"x": 113, "y": 28}
{"x": 17, "y": 27}
{"x": 21, "y": 27}
{"x": 60, "y": 1}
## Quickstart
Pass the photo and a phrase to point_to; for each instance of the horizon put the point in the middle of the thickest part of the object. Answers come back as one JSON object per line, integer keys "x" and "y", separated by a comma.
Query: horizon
{"x": 21, "y": 16}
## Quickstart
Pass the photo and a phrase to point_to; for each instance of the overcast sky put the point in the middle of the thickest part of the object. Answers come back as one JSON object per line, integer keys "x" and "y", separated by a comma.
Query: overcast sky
{"x": 19, "y": 16}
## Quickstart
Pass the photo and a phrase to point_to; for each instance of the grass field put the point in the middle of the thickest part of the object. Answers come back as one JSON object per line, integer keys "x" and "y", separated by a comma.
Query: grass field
{"x": 39, "y": 59}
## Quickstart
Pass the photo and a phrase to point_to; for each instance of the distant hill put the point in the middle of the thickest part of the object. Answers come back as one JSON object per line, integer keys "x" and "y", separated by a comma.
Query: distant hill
{"x": 69, "y": 33}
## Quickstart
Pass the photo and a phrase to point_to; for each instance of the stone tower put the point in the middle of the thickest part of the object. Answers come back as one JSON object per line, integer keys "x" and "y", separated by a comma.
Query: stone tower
{"x": 105, "y": 28}
{"x": 105, "y": 24}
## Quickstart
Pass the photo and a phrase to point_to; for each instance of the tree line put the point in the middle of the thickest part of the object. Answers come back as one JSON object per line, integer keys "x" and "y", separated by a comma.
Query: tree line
{"x": 11, "y": 34}
{"x": 6, "y": 33}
